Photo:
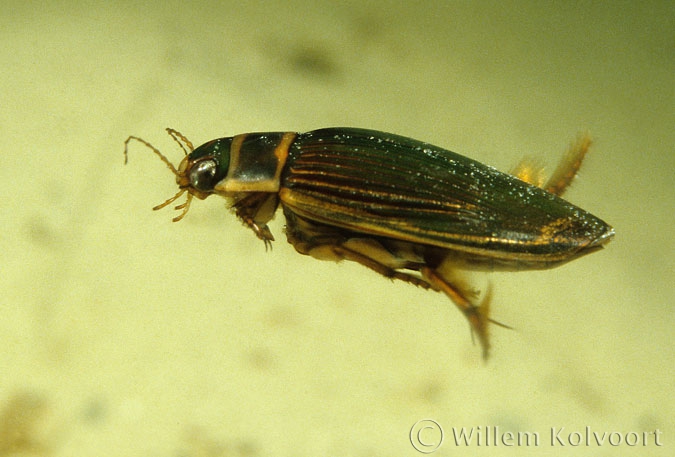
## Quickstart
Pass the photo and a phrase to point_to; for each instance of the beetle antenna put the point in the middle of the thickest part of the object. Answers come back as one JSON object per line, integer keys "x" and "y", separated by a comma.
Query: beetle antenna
{"x": 181, "y": 139}
{"x": 154, "y": 149}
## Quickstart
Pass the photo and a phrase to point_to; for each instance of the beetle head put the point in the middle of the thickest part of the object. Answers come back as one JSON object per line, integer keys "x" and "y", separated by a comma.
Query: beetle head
{"x": 199, "y": 171}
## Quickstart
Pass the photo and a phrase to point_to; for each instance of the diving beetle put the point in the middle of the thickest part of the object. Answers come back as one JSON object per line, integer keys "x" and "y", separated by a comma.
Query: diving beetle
{"x": 406, "y": 209}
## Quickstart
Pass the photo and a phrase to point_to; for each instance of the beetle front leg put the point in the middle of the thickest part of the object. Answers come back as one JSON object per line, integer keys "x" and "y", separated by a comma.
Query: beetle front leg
{"x": 261, "y": 231}
{"x": 255, "y": 210}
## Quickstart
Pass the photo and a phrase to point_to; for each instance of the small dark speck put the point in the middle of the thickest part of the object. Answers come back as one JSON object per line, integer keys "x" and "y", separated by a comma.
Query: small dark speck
{"x": 431, "y": 391}
{"x": 94, "y": 411}
{"x": 282, "y": 317}
{"x": 40, "y": 232}
{"x": 260, "y": 358}
{"x": 312, "y": 62}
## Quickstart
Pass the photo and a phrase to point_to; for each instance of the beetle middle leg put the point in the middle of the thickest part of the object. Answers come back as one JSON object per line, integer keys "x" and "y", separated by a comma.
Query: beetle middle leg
{"x": 366, "y": 251}
{"x": 325, "y": 242}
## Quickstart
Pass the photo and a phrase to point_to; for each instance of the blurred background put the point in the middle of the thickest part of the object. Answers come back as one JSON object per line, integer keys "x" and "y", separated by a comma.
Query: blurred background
{"x": 123, "y": 334}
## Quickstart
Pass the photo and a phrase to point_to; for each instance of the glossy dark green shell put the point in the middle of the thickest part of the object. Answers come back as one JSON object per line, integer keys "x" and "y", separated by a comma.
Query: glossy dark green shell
{"x": 395, "y": 187}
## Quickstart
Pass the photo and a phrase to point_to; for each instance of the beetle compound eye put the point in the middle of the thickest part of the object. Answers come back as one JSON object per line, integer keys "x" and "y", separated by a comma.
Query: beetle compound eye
{"x": 203, "y": 175}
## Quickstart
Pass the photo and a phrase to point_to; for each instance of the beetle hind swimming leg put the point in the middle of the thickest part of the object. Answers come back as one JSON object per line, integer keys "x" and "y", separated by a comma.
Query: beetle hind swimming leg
{"x": 532, "y": 172}
{"x": 477, "y": 315}
{"x": 390, "y": 259}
